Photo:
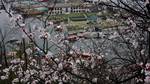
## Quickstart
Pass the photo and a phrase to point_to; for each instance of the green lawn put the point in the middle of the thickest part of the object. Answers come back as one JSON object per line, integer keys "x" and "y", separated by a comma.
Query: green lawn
{"x": 71, "y": 15}
{"x": 78, "y": 21}
{"x": 76, "y": 25}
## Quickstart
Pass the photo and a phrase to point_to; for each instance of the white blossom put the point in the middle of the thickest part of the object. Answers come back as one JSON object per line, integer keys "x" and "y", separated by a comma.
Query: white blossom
{"x": 32, "y": 72}
{"x": 142, "y": 51}
{"x": 55, "y": 77}
{"x": 6, "y": 70}
{"x": 107, "y": 77}
{"x": 44, "y": 35}
{"x": 4, "y": 77}
{"x": 50, "y": 23}
{"x": 48, "y": 82}
{"x": 77, "y": 61}
{"x": 19, "y": 17}
{"x": 15, "y": 80}
{"x": 22, "y": 61}
{"x": 94, "y": 80}
{"x": 24, "y": 35}
{"x": 27, "y": 76}
{"x": 49, "y": 54}
{"x": 22, "y": 25}
{"x": 42, "y": 75}
{"x": 71, "y": 52}
{"x": 60, "y": 66}
{"x": 60, "y": 82}
{"x": 33, "y": 60}
{"x": 29, "y": 51}
{"x": 20, "y": 75}
{"x": 56, "y": 59}
{"x": 27, "y": 71}
{"x": 99, "y": 57}
{"x": 15, "y": 61}
{"x": 34, "y": 82}
{"x": 147, "y": 80}
{"x": 59, "y": 26}
{"x": 135, "y": 44}
{"x": 147, "y": 2}
{"x": 147, "y": 65}
{"x": 12, "y": 19}
{"x": 149, "y": 29}
{"x": 93, "y": 65}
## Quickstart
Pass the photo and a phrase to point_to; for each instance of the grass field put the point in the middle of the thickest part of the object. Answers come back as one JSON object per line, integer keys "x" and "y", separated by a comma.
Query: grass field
{"x": 77, "y": 21}
{"x": 66, "y": 16}
{"x": 76, "y": 25}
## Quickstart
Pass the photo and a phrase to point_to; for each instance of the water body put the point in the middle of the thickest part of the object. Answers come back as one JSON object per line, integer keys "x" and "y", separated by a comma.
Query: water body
{"x": 6, "y": 28}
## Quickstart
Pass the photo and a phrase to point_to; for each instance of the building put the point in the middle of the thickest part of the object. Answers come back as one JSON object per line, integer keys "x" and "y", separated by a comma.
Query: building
{"x": 66, "y": 8}
{"x": 95, "y": 1}
{"x": 57, "y": 8}
{"x": 91, "y": 1}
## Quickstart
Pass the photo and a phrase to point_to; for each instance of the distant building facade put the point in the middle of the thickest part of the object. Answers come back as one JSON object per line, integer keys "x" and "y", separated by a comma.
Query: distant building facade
{"x": 66, "y": 8}
{"x": 91, "y": 1}
{"x": 95, "y": 1}
{"x": 58, "y": 8}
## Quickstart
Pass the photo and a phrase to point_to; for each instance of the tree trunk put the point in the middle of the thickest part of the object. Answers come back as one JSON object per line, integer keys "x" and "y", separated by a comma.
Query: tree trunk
{"x": 25, "y": 54}
{"x": 4, "y": 54}
{"x": 1, "y": 53}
